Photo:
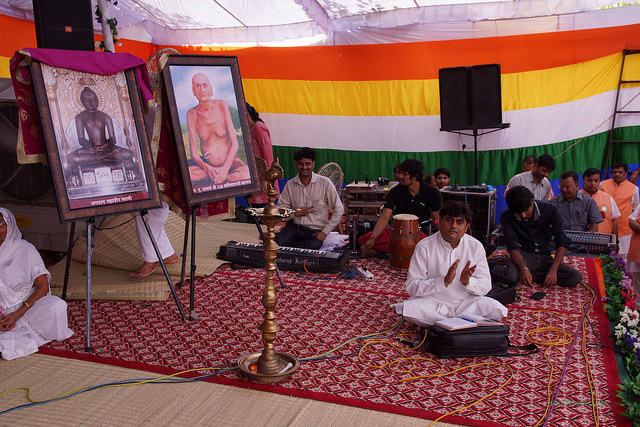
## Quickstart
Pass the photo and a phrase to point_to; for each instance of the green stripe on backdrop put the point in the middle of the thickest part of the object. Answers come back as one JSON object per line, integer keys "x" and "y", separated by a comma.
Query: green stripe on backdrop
{"x": 494, "y": 167}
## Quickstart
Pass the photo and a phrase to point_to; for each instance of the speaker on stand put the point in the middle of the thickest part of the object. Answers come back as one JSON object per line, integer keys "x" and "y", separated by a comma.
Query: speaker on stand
{"x": 64, "y": 24}
{"x": 471, "y": 99}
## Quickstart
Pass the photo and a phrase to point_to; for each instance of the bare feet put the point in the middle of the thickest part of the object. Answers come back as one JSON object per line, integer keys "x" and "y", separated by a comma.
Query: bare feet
{"x": 145, "y": 269}
{"x": 150, "y": 267}
{"x": 170, "y": 259}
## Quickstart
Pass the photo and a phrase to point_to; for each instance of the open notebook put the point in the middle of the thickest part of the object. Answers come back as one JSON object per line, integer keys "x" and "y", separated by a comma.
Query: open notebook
{"x": 467, "y": 321}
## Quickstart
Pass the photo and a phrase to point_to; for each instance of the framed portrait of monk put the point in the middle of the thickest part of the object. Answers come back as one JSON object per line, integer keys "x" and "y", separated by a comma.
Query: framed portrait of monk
{"x": 211, "y": 127}
{"x": 96, "y": 142}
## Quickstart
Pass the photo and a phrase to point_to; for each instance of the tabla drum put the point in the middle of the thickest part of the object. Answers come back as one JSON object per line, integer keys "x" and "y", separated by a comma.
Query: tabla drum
{"x": 404, "y": 237}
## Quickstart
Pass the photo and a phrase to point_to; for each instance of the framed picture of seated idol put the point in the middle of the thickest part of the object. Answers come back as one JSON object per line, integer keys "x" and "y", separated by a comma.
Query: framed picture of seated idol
{"x": 211, "y": 127}
{"x": 96, "y": 142}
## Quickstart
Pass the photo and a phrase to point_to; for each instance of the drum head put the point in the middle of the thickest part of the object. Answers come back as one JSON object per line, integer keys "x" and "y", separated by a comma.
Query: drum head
{"x": 405, "y": 217}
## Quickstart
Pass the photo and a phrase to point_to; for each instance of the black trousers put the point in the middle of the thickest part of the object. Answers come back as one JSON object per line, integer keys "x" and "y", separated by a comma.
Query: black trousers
{"x": 298, "y": 236}
{"x": 539, "y": 266}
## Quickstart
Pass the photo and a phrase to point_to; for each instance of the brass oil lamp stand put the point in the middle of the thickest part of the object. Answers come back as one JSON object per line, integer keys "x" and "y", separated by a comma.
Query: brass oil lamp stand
{"x": 269, "y": 366}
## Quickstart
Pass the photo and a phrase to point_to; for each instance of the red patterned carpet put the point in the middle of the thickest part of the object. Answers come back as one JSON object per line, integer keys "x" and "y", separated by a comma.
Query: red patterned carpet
{"x": 318, "y": 314}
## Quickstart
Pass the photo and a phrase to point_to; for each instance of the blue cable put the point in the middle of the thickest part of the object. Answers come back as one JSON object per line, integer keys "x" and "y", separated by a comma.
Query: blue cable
{"x": 122, "y": 382}
{"x": 202, "y": 377}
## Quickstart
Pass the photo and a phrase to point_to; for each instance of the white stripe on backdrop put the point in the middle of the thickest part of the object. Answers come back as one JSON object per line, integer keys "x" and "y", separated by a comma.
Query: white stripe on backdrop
{"x": 529, "y": 127}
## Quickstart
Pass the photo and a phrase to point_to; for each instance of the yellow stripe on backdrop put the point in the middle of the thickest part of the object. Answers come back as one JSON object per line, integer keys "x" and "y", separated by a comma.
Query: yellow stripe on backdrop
{"x": 531, "y": 89}
{"x": 4, "y": 67}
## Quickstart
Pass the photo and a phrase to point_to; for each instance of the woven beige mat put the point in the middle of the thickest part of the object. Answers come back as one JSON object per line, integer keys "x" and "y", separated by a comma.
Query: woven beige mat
{"x": 116, "y": 254}
{"x": 107, "y": 283}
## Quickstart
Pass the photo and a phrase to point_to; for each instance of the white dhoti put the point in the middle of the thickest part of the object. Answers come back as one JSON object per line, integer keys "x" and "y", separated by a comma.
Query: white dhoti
{"x": 426, "y": 311}
{"x": 44, "y": 322}
{"x": 156, "y": 219}
{"x": 431, "y": 300}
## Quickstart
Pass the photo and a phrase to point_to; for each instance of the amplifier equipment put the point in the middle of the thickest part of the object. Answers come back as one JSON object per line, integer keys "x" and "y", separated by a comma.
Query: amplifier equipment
{"x": 469, "y": 188}
{"x": 581, "y": 241}
{"x": 286, "y": 258}
{"x": 592, "y": 243}
{"x": 483, "y": 205}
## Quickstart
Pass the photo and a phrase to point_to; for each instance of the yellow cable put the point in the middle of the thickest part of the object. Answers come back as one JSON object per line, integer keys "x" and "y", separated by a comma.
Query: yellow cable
{"x": 413, "y": 360}
{"x": 560, "y": 338}
{"x": 355, "y": 338}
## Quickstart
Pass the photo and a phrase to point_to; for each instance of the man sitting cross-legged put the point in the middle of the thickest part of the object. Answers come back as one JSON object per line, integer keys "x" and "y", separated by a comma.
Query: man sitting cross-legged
{"x": 528, "y": 227}
{"x": 448, "y": 275}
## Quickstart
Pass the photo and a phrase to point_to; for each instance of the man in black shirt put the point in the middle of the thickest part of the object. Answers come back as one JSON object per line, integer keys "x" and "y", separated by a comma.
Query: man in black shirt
{"x": 528, "y": 227}
{"x": 411, "y": 196}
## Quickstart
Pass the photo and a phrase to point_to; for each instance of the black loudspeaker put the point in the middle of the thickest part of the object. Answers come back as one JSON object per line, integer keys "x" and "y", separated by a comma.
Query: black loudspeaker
{"x": 64, "y": 24}
{"x": 454, "y": 98}
{"x": 486, "y": 96}
{"x": 470, "y": 97}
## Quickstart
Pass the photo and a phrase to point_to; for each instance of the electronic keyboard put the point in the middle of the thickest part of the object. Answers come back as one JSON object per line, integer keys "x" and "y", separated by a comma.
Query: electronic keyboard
{"x": 286, "y": 258}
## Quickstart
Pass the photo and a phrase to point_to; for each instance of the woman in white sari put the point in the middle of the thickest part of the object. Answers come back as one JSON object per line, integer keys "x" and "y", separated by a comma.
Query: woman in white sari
{"x": 29, "y": 315}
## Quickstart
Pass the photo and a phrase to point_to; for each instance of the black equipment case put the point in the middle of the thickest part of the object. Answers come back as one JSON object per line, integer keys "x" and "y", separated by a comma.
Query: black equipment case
{"x": 471, "y": 342}
{"x": 478, "y": 341}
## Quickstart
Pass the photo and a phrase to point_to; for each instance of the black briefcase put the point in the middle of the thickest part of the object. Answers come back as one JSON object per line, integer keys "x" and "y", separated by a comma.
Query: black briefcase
{"x": 471, "y": 342}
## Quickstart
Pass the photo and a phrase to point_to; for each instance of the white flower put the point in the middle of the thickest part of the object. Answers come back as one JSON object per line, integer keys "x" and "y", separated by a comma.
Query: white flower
{"x": 620, "y": 330}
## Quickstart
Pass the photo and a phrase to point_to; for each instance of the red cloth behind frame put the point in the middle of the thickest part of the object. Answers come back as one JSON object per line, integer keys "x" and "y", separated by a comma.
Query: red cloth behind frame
{"x": 103, "y": 63}
{"x": 84, "y": 61}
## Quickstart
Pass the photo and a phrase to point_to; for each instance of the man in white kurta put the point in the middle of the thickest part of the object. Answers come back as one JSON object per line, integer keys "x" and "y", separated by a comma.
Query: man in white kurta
{"x": 448, "y": 274}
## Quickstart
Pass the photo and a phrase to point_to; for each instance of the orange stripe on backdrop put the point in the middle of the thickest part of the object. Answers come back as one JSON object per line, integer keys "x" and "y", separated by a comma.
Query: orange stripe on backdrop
{"x": 15, "y": 34}
{"x": 18, "y": 33}
{"x": 405, "y": 61}
{"x": 387, "y": 61}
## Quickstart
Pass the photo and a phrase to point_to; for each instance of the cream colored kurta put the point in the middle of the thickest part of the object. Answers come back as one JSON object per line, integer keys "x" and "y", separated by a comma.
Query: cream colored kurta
{"x": 430, "y": 299}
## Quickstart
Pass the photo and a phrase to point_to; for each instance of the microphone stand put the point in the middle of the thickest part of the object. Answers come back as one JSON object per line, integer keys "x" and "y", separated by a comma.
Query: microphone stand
{"x": 455, "y": 185}
{"x": 354, "y": 235}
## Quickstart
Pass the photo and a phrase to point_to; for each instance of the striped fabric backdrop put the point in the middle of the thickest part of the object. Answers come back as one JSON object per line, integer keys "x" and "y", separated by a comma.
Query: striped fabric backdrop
{"x": 367, "y": 107}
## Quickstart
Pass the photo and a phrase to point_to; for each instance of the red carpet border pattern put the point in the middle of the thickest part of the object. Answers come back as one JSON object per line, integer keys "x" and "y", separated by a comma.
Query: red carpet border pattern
{"x": 317, "y": 314}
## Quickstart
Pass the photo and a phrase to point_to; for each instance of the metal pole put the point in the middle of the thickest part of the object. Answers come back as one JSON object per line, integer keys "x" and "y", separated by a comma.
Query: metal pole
{"x": 184, "y": 247}
{"x": 161, "y": 261}
{"x": 88, "y": 348}
{"x": 67, "y": 268}
{"x": 192, "y": 312}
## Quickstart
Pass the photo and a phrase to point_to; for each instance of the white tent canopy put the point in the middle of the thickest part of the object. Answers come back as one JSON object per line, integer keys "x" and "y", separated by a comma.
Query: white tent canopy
{"x": 299, "y": 22}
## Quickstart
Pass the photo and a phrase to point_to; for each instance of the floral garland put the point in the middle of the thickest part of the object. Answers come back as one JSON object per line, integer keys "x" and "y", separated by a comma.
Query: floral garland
{"x": 620, "y": 307}
{"x": 112, "y": 22}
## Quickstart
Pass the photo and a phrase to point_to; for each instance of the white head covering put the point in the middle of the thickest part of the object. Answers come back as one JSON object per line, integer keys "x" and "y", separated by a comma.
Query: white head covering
{"x": 20, "y": 264}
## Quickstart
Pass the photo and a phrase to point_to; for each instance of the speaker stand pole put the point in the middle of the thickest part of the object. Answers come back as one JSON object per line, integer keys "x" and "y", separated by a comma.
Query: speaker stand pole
{"x": 475, "y": 135}
{"x": 475, "y": 154}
